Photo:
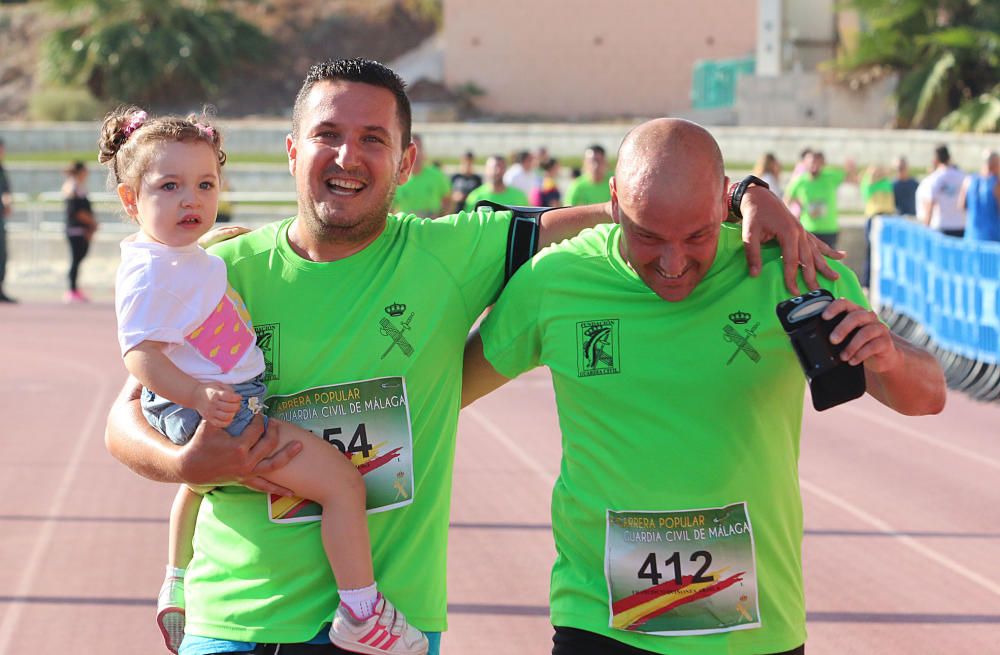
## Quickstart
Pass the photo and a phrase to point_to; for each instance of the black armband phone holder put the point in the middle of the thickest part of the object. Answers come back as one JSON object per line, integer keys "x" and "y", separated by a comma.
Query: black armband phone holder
{"x": 832, "y": 381}
{"x": 522, "y": 239}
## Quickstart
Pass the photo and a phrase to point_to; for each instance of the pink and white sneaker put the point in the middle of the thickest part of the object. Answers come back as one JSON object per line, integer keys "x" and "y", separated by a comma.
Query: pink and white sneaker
{"x": 75, "y": 296}
{"x": 385, "y": 631}
{"x": 170, "y": 616}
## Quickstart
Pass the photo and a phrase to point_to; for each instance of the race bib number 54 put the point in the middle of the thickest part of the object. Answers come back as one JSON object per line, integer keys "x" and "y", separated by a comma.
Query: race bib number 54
{"x": 369, "y": 422}
{"x": 686, "y": 572}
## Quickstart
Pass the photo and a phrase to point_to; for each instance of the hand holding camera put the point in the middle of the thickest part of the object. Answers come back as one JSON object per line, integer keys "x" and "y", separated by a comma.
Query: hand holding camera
{"x": 825, "y": 343}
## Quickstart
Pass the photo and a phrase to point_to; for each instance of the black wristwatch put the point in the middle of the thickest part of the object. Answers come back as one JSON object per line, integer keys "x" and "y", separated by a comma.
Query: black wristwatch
{"x": 736, "y": 192}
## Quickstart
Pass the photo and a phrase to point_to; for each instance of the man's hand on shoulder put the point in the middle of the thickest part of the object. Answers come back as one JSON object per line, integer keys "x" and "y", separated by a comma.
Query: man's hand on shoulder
{"x": 765, "y": 217}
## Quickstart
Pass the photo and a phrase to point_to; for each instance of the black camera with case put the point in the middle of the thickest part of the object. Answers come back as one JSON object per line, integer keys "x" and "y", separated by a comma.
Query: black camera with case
{"x": 832, "y": 381}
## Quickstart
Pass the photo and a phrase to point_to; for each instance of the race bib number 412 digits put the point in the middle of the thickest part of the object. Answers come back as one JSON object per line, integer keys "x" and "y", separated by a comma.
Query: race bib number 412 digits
{"x": 685, "y": 572}
{"x": 369, "y": 422}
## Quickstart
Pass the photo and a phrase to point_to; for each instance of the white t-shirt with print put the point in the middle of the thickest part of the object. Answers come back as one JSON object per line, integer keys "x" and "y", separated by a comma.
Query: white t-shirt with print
{"x": 181, "y": 296}
{"x": 942, "y": 187}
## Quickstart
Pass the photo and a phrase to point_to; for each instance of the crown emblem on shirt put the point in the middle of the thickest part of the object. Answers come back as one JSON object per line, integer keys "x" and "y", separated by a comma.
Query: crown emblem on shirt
{"x": 395, "y": 309}
{"x": 739, "y": 318}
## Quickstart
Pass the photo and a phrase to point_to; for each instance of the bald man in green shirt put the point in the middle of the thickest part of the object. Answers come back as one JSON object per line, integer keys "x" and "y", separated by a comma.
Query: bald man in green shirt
{"x": 676, "y": 515}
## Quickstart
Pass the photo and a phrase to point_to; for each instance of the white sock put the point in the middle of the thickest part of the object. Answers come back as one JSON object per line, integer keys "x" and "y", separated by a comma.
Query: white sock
{"x": 362, "y": 601}
{"x": 174, "y": 572}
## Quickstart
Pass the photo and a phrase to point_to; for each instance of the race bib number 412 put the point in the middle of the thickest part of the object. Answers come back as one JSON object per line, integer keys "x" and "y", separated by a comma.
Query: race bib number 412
{"x": 369, "y": 422}
{"x": 686, "y": 572}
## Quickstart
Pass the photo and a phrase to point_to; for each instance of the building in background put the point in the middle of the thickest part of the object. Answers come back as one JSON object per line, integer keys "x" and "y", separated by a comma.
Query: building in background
{"x": 565, "y": 59}
{"x": 726, "y": 62}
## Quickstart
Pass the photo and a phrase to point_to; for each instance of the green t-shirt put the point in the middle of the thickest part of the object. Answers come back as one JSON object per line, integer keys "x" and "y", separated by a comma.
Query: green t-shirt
{"x": 818, "y": 199}
{"x": 400, "y": 308}
{"x": 666, "y": 407}
{"x": 582, "y": 191}
{"x": 424, "y": 193}
{"x": 878, "y": 196}
{"x": 510, "y": 196}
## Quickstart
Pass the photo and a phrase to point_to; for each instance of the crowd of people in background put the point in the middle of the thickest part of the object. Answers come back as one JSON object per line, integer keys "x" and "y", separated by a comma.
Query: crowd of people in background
{"x": 525, "y": 179}
{"x": 947, "y": 200}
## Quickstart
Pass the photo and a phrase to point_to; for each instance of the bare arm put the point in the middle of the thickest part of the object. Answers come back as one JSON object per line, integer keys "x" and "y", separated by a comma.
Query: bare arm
{"x": 963, "y": 192}
{"x": 926, "y": 208}
{"x": 217, "y": 403}
{"x": 898, "y": 374}
{"x": 765, "y": 217}
{"x": 212, "y": 457}
{"x": 567, "y": 222}
{"x": 478, "y": 375}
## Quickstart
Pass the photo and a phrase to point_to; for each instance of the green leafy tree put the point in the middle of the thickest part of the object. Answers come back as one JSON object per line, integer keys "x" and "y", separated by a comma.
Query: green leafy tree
{"x": 946, "y": 53}
{"x": 150, "y": 51}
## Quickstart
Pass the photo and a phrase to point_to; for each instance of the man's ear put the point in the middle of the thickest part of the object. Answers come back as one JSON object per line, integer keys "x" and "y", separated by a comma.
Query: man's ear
{"x": 725, "y": 197}
{"x": 406, "y": 165}
{"x": 615, "y": 211}
{"x": 127, "y": 195}
{"x": 292, "y": 152}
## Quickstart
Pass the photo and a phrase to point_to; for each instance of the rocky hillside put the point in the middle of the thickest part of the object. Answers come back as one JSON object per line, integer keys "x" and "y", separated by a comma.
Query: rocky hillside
{"x": 304, "y": 31}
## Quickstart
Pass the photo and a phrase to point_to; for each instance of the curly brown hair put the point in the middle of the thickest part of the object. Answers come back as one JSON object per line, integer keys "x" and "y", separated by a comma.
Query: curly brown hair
{"x": 125, "y": 146}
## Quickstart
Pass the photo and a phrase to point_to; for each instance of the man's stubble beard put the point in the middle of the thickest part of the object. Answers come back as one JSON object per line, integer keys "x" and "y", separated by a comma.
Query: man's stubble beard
{"x": 362, "y": 231}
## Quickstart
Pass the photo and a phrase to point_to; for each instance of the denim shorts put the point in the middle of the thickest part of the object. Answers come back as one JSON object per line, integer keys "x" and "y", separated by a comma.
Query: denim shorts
{"x": 179, "y": 423}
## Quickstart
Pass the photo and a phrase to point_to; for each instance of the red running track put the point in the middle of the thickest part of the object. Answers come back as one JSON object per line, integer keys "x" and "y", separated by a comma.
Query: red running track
{"x": 901, "y": 548}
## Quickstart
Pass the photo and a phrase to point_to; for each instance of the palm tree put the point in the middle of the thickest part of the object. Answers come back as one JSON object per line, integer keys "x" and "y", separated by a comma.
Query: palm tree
{"x": 946, "y": 53}
{"x": 150, "y": 51}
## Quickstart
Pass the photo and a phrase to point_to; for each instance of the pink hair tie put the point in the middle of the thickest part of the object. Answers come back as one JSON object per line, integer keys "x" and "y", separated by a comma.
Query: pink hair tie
{"x": 134, "y": 123}
{"x": 206, "y": 130}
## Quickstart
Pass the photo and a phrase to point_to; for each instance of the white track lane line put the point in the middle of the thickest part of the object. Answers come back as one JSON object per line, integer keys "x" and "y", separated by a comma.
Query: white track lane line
{"x": 908, "y": 431}
{"x": 98, "y": 411}
{"x": 906, "y": 540}
{"x": 549, "y": 478}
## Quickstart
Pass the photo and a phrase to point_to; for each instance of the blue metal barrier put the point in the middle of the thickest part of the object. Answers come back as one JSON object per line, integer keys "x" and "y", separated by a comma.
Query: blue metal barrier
{"x": 943, "y": 293}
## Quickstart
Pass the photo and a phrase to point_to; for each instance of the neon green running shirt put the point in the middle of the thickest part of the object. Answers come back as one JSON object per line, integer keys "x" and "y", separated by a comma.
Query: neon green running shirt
{"x": 818, "y": 198}
{"x": 680, "y": 425}
{"x": 396, "y": 313}
{"x": 511, "y": 196}
{"x": 583, "y": 191}
{"x": 424, "y": 193}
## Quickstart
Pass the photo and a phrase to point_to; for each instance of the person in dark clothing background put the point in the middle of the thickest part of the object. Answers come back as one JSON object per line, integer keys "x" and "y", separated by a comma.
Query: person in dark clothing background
{"x": 80, "y": 225}
{"x": 904, "y": 189}
{"x": 6, "y": 207}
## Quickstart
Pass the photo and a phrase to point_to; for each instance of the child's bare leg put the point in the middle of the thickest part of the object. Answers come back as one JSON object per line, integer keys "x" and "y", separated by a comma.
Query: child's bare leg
{"x": 170, "y": 616}
{"x": 183, "y": 516}
{"x": 323, "y": 474}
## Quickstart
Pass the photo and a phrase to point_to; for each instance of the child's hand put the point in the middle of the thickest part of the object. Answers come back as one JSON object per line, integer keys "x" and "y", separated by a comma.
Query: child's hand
{"x": 220, "y": 234}
{"x": 217, "y": 403}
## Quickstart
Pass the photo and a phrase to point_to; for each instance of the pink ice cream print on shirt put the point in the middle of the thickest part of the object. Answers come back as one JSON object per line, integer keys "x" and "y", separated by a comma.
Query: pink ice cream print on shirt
{"x": 226, "y": 334}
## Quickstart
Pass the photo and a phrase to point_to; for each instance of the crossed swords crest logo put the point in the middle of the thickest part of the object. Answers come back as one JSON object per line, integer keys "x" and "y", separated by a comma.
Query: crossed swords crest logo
{"x": 397, "y": 334}
{"x": 742, "y": 341}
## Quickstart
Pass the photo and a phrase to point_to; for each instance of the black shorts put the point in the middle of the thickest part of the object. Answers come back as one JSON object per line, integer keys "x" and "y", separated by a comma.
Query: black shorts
{"x": 571, "y": 641}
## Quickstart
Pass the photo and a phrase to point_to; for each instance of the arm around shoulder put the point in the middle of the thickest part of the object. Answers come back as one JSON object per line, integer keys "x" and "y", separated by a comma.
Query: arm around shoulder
{"x": 478, "y": 375}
